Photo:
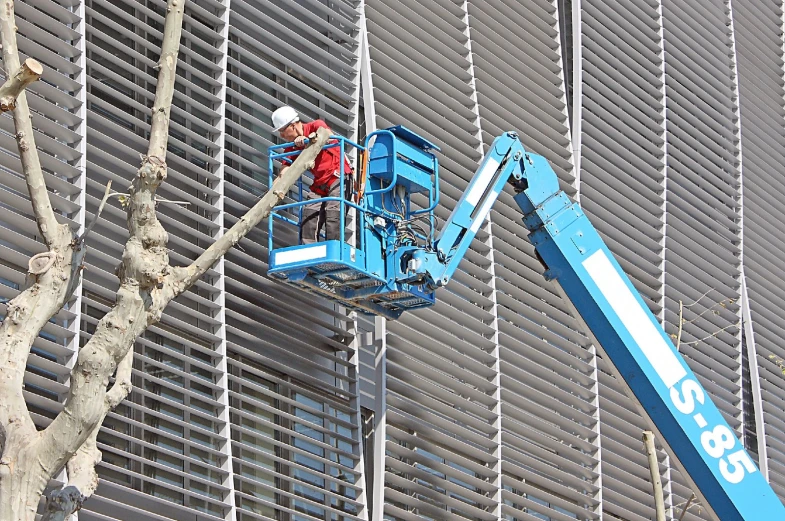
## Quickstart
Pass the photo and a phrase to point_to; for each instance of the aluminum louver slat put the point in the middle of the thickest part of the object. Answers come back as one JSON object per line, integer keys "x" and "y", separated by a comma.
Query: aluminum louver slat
{"x": 290, "y": 383}
{"x": 622, "y": 178}
{"x": 759, "y": 38}
{"x": 175, "y": 380}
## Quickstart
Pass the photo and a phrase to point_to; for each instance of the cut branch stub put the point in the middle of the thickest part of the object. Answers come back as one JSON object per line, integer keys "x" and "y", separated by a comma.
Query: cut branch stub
{"x": 29, "y": 72}
{"x": 40, "y": 263}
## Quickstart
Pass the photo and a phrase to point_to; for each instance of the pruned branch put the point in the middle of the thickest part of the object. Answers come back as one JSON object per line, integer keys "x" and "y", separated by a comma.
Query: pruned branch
{"x": 255, "y": 215}
{"x": 654, "y": 471}
{"x": 29, "y": 72}
{"x": 42, "y": 207}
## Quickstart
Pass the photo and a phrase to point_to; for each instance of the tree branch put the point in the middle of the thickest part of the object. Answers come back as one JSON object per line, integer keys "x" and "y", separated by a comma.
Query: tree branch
{"x": 255, "y": 215}
{"x": 82, "y": 475}
{"x": 654, "y": 471}
{"x": 29, "y": 311}
{"x": 144, "y": 266}
{"x": 29, "y": 72}
{"x": 44, "y": 214}
{"x": 164, "y": 91}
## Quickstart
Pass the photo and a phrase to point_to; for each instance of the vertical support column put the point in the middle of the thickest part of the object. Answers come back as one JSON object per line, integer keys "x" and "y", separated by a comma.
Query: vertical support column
{"x": 746, "y": 314}
{"x": 577, "y": 93}
{"x": 488, "y": 228}
{"x": 380, "y": 323}
{"x": 356, "y": 343}
{"x": 667, "y": 489}
{"x": 740, "y": 212}
{"x": 497, "y": 394}
{"x": 366, "y": 81}
{"x": 223, "y": 365}
{"x": 379, "y": 416}
{"x": 360, "y": 468}
{"x": 75, "y": 305}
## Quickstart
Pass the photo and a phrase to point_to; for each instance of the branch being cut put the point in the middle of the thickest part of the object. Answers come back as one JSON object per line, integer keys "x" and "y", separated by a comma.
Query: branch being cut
{"x": 29, "y": 72}
{"x": 255, "y": 215}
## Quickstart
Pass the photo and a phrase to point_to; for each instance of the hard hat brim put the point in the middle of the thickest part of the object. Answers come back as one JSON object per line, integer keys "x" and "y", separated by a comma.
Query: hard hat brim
{"x": 295, "y": 119}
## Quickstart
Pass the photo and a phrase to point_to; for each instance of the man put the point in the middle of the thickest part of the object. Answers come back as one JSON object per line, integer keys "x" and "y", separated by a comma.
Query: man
{"x": 326, "y": 176}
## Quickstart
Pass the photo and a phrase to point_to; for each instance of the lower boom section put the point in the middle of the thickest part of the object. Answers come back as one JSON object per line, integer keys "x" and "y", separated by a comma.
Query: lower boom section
{"x": 721, "y": 472}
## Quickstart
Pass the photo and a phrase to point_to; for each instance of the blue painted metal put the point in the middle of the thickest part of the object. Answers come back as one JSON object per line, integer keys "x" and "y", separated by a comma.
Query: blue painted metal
{"x": 721, "y": 471}
{"x": 362, "y": 276}
{"x": 393, "y": 269}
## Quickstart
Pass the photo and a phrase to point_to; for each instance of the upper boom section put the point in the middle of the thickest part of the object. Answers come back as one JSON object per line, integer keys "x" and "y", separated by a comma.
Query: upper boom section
{"x": 721, "y": 472}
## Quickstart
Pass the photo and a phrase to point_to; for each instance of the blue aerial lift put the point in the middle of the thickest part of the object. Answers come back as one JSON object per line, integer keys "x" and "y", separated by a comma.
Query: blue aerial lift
{"x": 398, "y": 260}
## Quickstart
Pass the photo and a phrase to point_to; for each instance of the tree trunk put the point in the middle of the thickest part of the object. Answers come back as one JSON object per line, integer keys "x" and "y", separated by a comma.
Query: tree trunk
{"x": 30, "y": 459}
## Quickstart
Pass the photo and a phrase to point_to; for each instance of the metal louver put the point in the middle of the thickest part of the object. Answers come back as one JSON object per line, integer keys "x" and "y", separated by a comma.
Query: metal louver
{"x": 703, "y": 246}
{"x": 292, "y": 377}
{"x": 622, "y": 178}
{"x": 759, "y": 37}
{"x": 492, "y": 405}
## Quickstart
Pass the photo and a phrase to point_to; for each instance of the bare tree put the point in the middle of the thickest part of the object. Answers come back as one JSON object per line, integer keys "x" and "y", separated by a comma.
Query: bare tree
{"x": 30, "y": 458}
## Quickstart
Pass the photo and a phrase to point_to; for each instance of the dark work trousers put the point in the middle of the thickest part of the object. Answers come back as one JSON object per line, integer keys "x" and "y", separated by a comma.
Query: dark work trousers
{"x": 324, "y": 214}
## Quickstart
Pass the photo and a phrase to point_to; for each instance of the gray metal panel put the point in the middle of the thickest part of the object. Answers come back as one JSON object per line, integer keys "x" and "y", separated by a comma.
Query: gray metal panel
{"x": 703, "y": 234}
{"x": 295, "y": 432}
{"x": 759, "y": 40}
{"x": 621, "y": 189}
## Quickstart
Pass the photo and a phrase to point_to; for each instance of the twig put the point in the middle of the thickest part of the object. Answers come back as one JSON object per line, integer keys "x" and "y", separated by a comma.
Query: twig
{"x": 684, "y": 511}
{"x": 28, "y": 153}
{"x": 709, "y": 336}
{"x": 107, "y": 195}
{"x": 700, "y": 298}
{"x": 167, "y": 201}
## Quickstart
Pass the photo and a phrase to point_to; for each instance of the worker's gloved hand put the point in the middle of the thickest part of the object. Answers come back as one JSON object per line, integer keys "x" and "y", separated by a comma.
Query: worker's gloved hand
{"x": 299, "y": 141}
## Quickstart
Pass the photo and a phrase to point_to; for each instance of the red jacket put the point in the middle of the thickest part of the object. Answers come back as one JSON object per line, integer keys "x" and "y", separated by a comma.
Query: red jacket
{"x": 326, "y": 169}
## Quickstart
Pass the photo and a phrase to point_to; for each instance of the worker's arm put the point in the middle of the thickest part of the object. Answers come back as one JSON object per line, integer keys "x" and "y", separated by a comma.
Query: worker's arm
{"x": 299, "y": 142}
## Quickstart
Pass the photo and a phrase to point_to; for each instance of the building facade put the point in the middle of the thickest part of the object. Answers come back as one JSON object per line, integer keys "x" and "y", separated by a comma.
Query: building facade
{"x": 252, "y": 401}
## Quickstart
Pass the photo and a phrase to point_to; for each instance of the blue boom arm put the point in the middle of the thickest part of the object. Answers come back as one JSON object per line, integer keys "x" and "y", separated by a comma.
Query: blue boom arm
{"x": 722, "y": 473}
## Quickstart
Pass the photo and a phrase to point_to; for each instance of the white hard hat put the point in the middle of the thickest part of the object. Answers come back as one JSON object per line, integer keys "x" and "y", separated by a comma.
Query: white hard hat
{"x": 283, "y": 116}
